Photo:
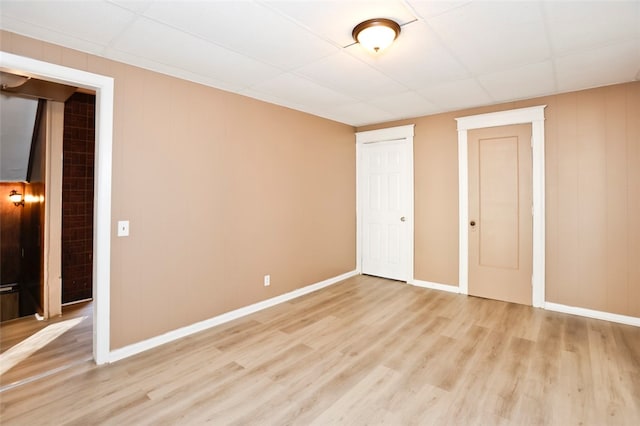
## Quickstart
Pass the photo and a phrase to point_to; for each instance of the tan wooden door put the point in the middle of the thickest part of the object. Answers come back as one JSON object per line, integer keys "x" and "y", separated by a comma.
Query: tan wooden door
{"x": 500, "y": 213}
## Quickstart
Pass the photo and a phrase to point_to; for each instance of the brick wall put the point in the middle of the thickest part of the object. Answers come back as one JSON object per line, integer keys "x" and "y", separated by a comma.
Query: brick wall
{"x": 77, "y": 197}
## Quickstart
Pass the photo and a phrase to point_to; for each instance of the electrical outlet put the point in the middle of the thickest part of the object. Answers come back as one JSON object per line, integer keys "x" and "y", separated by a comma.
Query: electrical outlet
{"x": 267, "y": 280}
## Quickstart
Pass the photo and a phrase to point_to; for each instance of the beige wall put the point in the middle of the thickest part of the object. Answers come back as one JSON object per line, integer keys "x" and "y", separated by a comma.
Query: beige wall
{"x": 220, "y": 190}
{"x": 593, "y": 199}
{"x": 592, "y": 196}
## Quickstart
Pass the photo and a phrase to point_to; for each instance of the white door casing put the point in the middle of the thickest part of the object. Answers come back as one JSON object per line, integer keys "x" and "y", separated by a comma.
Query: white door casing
{"x": 535, "y": 116}
{"x": 103, "y": 87}
{"x": 385, "y": 202}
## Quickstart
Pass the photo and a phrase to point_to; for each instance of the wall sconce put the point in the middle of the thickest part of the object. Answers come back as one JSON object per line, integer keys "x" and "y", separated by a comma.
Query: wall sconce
{"x": 376, "y": 34}
{"x": 16, "y": 198}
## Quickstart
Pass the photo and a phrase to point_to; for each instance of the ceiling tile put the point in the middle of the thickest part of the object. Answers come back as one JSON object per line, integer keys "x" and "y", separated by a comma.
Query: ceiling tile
{"x": 35, "y": 31}
{"x": 335, "y": 19}
{"x": 616, "y": 63}
{"x": 162, "y": 68}
{"x": 97, "y": 22}
{"x": 137, "y": 6}
{"x": 360, "y": 114}
{"x": 272, "y": 99}
{"x": 350, "y": 76}
{"x": 167, "y": 46}
{"x": 302, "y": 92}
{"x": 405, "y": 104}
{"x": 490, "y": 36}
{"x": 592, "y": 23}
{"x": 245, "y": 27}
{"x": 457, "y": 95}
{"x": 416, "y": 59}
{"x": 429, "y": 9}
{"x": 520, "y": 83}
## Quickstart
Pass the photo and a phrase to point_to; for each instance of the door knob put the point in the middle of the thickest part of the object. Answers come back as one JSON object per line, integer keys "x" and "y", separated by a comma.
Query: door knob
{"x": 472, "y": 223}
{"x": 403, "y": 219}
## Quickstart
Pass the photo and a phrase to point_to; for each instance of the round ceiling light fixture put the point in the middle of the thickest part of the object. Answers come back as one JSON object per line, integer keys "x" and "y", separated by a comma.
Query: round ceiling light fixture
{"x": 376, "y": 34}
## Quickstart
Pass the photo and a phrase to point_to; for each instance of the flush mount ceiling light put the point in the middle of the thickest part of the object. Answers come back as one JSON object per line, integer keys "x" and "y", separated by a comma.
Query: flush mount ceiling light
{"x": 376, "y": 34}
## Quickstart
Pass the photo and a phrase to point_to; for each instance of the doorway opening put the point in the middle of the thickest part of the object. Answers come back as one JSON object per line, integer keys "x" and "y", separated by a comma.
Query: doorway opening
{"x": 103, "y": 87}
{"x": 47, "y": 240}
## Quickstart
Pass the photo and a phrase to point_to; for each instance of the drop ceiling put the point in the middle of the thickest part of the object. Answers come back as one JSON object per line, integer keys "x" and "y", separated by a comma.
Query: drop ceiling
{"x": 299, "y": 54}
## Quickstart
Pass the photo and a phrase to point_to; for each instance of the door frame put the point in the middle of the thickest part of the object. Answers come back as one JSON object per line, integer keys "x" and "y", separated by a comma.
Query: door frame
{"x": 103, "y": 86}
{"x": 52, "y": 251}
{"x": 392, "y": 134}
{"x": 534, "y": 116}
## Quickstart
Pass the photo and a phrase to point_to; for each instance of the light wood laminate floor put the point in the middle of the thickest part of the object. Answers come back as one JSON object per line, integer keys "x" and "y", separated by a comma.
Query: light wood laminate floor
{"x": 364, "y": 351}
{"x": 30, "y": 348}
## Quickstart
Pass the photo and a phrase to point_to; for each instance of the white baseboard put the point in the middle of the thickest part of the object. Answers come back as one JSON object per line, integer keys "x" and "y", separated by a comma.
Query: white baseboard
{"x": 590, "y": 313}
{"x": 435, "y": 286}
{"x": 170, "y": 336}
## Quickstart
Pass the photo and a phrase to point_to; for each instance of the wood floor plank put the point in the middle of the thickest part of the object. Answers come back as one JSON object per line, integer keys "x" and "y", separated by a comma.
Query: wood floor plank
{"x": 363, "y": 351}
{"x": 73, "y": 345}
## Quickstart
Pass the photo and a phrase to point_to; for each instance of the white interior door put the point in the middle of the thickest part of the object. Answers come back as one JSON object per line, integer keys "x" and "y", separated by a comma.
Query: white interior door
{"x": 386, "y": 210}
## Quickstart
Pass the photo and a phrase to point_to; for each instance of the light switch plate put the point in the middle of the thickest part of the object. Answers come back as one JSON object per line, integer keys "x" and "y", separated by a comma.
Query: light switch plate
{"x": 123, "y": 228}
